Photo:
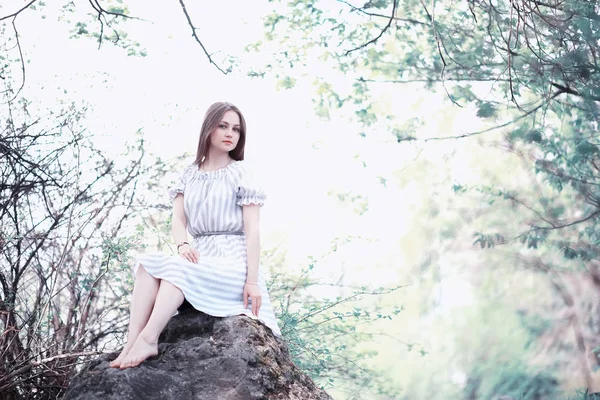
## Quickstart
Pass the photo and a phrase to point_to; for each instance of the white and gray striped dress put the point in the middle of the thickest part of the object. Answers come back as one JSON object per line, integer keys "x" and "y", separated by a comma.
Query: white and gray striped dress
{"x": 213, "y": 207}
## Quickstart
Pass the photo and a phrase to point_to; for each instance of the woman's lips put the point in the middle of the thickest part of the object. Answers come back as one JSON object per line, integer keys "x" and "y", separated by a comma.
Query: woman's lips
{"x": 227, "y": 142}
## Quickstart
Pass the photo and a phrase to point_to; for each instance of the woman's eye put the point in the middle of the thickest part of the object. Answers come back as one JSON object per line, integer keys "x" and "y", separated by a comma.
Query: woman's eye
{"x": 236, "y": 129}
{"x": 222, "y": 126}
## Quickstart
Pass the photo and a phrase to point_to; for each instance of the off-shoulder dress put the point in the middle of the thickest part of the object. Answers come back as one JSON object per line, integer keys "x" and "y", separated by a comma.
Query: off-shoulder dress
{"x": 213, "y": 207}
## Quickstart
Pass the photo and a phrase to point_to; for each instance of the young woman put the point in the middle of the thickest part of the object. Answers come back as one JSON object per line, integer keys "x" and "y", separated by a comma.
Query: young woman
{"x": 218, "y": 201}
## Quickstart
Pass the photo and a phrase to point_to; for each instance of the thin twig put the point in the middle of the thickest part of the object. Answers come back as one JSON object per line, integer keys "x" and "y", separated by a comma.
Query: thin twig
{"x": 22, "y": 61}
{"x": 195, "y": 36}
{"x": 362, "y": 11}
{"x": 410, "y": 138}
{"x": 375, "y": 39}
{"x": 18, "y": 12}
{"x": 68, "y": 355}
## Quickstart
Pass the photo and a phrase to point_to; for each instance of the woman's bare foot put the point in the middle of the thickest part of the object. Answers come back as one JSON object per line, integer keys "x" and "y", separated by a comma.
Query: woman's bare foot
{"x": 140, "y": 351}
{"x": 116, "y": 363}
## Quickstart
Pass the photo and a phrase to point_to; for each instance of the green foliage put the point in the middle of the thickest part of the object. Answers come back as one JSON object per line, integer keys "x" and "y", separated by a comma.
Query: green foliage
{"x": 583, "y": 395}
{"x": 511, "y": 379}
{"x": 487, "y": 240}
{"x": 486, "y": 110}
{"x": 534, "y": 136}
{"x": 359, "y": 202}
{"x": 529, "y": 68}
{"x": 286, "y": 83}
{"x": 105, "y": 24}
{"x": 324, "y": 333}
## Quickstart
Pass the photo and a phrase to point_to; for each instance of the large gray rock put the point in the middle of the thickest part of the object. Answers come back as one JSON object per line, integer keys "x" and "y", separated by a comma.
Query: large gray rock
{"x": 202, "y": 357}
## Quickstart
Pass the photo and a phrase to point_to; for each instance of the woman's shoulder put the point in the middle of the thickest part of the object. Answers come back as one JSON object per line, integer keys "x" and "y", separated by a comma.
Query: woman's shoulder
{"x": 238, "y": 163}
{"x": 239, "y": 168}
{"x": 189, "y": 169}
{"x": 243, "y": 168}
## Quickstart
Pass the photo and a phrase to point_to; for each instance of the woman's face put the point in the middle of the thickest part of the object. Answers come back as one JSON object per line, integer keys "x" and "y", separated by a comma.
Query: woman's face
{"x": 227, "y": 134}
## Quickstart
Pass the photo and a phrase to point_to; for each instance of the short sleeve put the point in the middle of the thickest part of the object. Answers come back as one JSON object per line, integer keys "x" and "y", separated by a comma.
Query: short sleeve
{"x": 250, "y": 190}
{"x": 180, "y": 183}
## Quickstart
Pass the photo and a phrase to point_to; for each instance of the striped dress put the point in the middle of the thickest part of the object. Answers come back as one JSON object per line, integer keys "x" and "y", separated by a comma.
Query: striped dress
{"x": 213, "y": 207}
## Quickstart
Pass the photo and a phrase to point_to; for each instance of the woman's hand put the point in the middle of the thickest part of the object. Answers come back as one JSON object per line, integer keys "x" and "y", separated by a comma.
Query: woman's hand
{"x": 189, "y": 253}
{"x": 253, "y": 291}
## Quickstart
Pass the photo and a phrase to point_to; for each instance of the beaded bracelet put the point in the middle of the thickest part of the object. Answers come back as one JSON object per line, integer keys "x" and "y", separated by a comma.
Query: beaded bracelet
{"x": 181, "y": 244}
{"x": 248, "y": 283}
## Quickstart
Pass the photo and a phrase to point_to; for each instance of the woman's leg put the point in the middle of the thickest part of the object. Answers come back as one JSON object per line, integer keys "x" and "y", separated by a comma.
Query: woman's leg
{"x": 169, "y": 297}
{"x": 142, "y": 301}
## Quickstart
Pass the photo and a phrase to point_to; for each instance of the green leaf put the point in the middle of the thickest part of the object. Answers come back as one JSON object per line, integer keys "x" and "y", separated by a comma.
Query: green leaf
{"x": 286, "y": 83}
{"x": 586, "y": 148}
{"x": 569, "y": 253}
{"x": 486, "y": 110}
{"x": 533, "y": 136}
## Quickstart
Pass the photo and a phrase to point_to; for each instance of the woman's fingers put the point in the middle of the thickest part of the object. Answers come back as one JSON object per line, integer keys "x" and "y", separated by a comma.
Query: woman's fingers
{"x": 256, "y": 303}
{"x": 185, "y": 255}
{"x": 191, "y": 255}
{"x": 253, "y": 292}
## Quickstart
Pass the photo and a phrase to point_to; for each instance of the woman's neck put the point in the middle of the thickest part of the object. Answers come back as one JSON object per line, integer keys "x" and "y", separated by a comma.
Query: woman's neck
{"x": 215, "y": 160}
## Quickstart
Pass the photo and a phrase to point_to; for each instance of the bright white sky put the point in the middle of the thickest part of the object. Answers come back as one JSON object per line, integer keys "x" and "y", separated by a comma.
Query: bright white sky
{"x": 300, "y": 158}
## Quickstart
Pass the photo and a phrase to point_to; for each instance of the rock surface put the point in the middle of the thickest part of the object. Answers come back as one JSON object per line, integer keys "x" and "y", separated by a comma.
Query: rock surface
{"x": 202, "y": 357}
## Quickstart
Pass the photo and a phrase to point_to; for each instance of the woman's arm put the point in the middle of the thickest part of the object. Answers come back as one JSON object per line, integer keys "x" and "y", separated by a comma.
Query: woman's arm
{"x": 250, "y": 215}
{"x": 179, "y": 230}
{"x": 178, "y": 222}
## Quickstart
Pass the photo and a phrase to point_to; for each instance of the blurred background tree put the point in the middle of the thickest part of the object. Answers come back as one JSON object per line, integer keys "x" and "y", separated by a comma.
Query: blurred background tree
{"x": 528, "y": 70}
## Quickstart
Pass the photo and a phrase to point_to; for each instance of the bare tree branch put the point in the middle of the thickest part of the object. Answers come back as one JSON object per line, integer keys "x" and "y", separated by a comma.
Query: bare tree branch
{"x": 19, "y": 11}
{"x": 574, "y": 92}
{"x": 434, "y": 80}
{"x": 99, "y": 8}
{"x": 410, "y": 138}
{"x": 362, "y": 11}
{"x": 21, "y": 59}
{"x": 195, "y": 36}
{"x": 375, "y": 39}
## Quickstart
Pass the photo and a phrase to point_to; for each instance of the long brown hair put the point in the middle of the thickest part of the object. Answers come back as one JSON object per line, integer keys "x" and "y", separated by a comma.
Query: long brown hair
{"x": 212, "y": 119}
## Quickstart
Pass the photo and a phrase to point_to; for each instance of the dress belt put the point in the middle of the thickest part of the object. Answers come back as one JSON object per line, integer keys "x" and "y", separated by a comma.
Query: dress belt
{"x": 218, "y": 233}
